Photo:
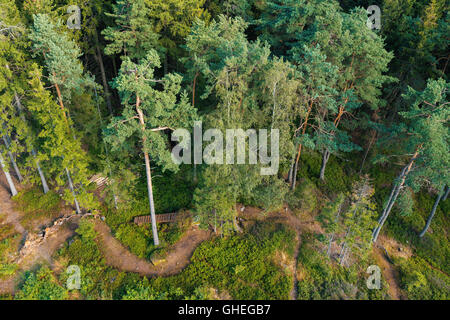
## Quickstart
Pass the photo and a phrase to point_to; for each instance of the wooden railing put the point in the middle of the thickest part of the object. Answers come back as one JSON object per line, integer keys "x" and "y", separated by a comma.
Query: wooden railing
{"x": 162, "y": 218}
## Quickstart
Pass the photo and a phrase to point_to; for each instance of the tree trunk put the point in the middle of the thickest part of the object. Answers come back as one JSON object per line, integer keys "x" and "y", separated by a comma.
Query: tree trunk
{"x": 394, "y": 195}
{"x": 446, "y": 194}
{"x": 149, "y": 175}
{"x": 299, "y": 153}
{"x": 329, "y": 245}
{"x": 12, "y": 187}
{"x": 325, "y": 158}
{"x": 41, "y": 173}
{"x": 291, "y": 170}
{"x": 13, "y": 161}
{"x": 33, "y": 152}
{"x": 105, "y": 82}
{"x": 372, "y": 140}
{"x": 77, "y": 206}
{"x": 441, "y": 195}
{"x": 294, "y": 176}
{"x": 342, "y": 253}
{"x": 61, "y": 104}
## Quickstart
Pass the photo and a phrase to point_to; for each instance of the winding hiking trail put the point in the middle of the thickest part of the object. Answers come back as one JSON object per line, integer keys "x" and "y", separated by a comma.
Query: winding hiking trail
{"x": 118, "y": 256}
{"x": 178, "y": 256}
{"x": 390, "y": 274}
{"x": 44, "y": 248}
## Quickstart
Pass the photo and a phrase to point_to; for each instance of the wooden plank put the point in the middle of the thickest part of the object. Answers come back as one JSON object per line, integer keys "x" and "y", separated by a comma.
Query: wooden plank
{"x": 162, "y": 218}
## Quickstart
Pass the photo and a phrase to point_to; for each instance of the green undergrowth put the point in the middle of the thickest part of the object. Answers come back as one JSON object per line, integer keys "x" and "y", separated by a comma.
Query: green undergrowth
{"x": 420, "y": 281}
{"x": 8, "y": 247}
{"x": 37, "y": 206}
{"x": 242, "y": 265}
{"x": 322, "y": 279}
{"x": 338, "y": 174}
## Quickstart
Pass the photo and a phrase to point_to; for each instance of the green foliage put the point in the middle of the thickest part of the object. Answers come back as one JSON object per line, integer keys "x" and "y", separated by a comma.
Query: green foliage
{"x": 421, "y": 281}
{"x": 304, "y": 196}
{"x": 321, "y": 279}
{"x": 98, "y": 281}
{"x": 310, "y": 68}
{"x": 36, "y": 205}
{"x": 7, "y": 248}
{"x": 432, "y": 248}
{"x": 132, "y": 35}
{"x": 41, "y": 285}
{"x": 243, "y": 266}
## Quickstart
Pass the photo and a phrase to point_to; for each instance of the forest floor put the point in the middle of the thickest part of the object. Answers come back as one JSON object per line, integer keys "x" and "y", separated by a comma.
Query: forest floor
{"x": 178, "y": 257}
{"x": 390, "y": 274}
{"x": 118, "y": 256}
{"x": 299, "y": 224}
{"x": 42, "y": 251}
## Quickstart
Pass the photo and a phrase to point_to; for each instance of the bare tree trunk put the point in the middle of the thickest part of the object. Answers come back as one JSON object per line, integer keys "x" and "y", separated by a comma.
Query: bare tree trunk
{"x": 294, "y": 176}
{"x": 394, "y": 194}
{"x": 440, "y": 196}
{"x": 69, "y": 179}
{"x": 13, "y": 161}
{"x": 325, "y": 158}
{"x": 149, "y": 175}
{"x": 291, "y": 170}
{"x": 106, "y": 152}
{"x": 372, "y": 140}
{"x": 342, "y": 254}
{"x": 12, "y": 187}
{"x": 446, "y": 194}
{"x": 386, "y": 211}
{"x": 329, "y": 245}
{"x": 41, "y": 173}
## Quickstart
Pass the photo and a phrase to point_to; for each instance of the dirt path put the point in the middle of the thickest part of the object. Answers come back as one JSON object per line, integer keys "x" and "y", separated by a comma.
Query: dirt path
{"x": 41, "y": 249}
{"x": 389, "y": 273}
{"x": 178, "y": 258}
{"x": 6, "y": 206}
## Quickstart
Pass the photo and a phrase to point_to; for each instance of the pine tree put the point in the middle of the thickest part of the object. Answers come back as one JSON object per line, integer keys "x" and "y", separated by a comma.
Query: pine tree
{"x": 424, "y": 135}
{"x": 147, "y": 113}
{"x": 247, "y": 90}
{"x": 132, "y": 35}
{"x": 294, "y": 28}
